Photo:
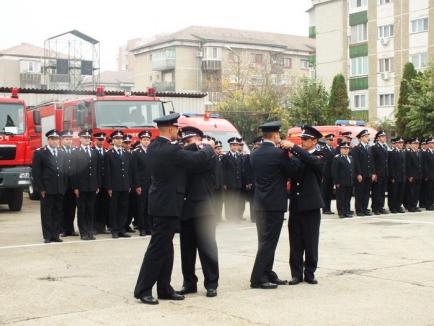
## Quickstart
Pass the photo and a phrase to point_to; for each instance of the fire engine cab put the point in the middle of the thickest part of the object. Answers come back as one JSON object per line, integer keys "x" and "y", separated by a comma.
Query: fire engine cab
{"x": 15, "y": 150}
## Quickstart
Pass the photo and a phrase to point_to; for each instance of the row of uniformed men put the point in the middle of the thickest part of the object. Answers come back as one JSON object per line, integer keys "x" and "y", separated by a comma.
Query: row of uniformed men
{"x": 405, "y": 173}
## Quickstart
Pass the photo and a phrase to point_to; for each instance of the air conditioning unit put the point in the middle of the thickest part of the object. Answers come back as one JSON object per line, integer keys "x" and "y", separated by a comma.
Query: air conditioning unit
{"x": 385, "y": 41}
{"x": 385, "y": 76}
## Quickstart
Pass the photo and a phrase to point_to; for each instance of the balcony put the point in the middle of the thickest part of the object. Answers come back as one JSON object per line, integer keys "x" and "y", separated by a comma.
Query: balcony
{"x": 164, "y": 86}
{"x": 163, "y": 64}
{"x": 211, "y": 64}
{"x": 30, "y": 80}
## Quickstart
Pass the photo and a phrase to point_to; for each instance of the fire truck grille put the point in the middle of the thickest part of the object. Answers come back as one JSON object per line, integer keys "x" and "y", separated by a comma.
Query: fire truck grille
{"x": 7, "y": 153}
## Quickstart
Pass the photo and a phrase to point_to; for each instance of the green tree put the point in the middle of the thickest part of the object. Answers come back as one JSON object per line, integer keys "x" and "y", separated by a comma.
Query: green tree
{"x": 419, "y": 115}
{"x": 405, "y": 88}
{"x": 338, "y": 106}
{"x": 308, "y": 104}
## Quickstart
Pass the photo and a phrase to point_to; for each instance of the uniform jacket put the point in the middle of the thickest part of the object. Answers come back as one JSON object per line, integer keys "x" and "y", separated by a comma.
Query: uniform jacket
{"x": 413, "y": 164}
{"x": 140, "y": 168}
{"x": 306, "y": 186}
{"x": 428, "y": 164}
{"x": 379, "y": 157}
{"x": 69, "y": 170}
{"x": 168, "y": 165}
{"x": 272, "y": 167}
{"x": 328, "y": 154}
{"x": 49, "y": 172}
{"x": 117, "y": 170}
{"x": 85, "y": 169}
{"x": 246, "y": 171}
{"x": 219, "y": 174}
{"x": 200, "y": 189}
{"x": 396, "y": 161}
{"x": 343, "y": 170}
{"x": 101, "y": 167}
{"x": 232, "y": 171}
{"x": 362, "y": 161}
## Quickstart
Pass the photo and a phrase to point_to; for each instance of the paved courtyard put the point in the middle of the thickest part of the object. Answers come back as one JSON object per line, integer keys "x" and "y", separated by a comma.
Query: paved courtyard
{"x": 372, "y": 271}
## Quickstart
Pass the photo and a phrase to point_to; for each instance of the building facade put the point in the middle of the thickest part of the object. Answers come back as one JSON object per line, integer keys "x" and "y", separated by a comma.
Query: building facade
{"x": 209, "y": 59}
{"x": 371, "y": 41}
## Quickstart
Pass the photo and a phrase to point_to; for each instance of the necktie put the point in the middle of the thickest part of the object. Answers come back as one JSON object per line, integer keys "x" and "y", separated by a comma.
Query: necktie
{"x": 55, "y": 152}
{"x": 88, "y": 151}
{"x": 120, "y": 152}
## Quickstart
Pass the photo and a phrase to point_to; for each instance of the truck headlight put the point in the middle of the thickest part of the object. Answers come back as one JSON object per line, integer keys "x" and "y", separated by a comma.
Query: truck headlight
{"x": 24, "y": 175}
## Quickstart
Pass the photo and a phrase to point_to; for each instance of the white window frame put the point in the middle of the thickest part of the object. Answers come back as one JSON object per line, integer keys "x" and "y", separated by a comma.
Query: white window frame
{"x": 386, "y": 31}
{"x": 359, "y": 33}
{"x": 359, "y": 66}
{"x": 419, "y": 60}
{"x": 304, "y": 64}
{"x": 386, "y": 100}
{"x": 419, "y": 25}
{"x": 360, "y": 101}
{"x": 358, "y": 3}
{"x": 385, "y": 65}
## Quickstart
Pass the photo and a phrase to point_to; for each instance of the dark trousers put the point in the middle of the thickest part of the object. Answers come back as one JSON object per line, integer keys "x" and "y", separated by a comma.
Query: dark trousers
{"x": 327, "y": 193}
{"x": 343, "y": 199}
{"x": 412, "y": 193}
{"x": 158, "y": 261}
{"x": 429, "y": 204}
{"x": 395, "y": 195}
{"x": 304, "y": 239}
{"x": 198, "y": 235}
{"x": 143, "y": 220}
{"x": 118, "y": 211}
{"x": 379, "y": 189}
{"x": 232, "y": 204}
{"x": 51, "y": 216}
{"x": 218, "y": 204}
{"x": 69, "y": 204}
{"x": 102, "y": 205}
{"x": 361, "y": 192}
{"x": 86, "y": 212}
{"x": 269, "y": 226}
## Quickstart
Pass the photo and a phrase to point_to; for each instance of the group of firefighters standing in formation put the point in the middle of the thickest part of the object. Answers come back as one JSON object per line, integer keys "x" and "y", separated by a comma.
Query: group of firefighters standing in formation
{"x": 404, "y": 170}
{"x": 178, "y": 182}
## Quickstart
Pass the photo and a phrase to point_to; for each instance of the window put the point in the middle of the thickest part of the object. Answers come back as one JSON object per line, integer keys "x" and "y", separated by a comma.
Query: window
{"x": 359, "y": 33}
{"x": 287, "y": 63}
{"x": 387, "y": 100}
{"x": 304, "y": 64}
{"x": 385, "y": 31}
{"x": 12, "y": 118}
{"x": 213, "y": 53}
{"x": 383, "y": 2}
{"x": 419, "y": 60}
{"x": 358, "y": 3}
{"x": 359, "y": 101}
{"x": 359, "y": 66}
{"x": 385, "y": 65}
{"x": 419, "y": 25}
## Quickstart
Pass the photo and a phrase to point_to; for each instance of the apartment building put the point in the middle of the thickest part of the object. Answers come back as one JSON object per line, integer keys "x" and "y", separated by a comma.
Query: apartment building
{"x": 210, "y": 59}
{"x": 370, "y": 41}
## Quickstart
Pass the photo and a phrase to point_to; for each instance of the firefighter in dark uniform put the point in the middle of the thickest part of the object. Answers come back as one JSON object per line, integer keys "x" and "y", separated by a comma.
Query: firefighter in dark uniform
{"x": 86, "y": 182}
{"x": 49, "y": 173}
{"x": 414, "y": 174}
{"x": 232, "y": 174}
{"x": 397, "y": 170}
{"x": 272, "y": 167}
{"x": 327, "y": 180}
{"x": 424, "y": 180}
{"x": 132, "y": 207}
{"x": 118, "y": 183}
{"x": 429, "y": 174}
{"x": 102, "y": 198}
{"x": 168, "y": 164}
{"x": 246, "y": 180}
{"x": 347, "y": 137}
{"x": 69, "y": 200}
{"x": 362, "y": 158}
{"x": 305, "y": 207}
{"x": 380, "y": 153}
{"x": 141, "y": 183}
{"x": 343, "y": 176}
{"x": 218, "y": 193}
{"x": 257, "y": 142}
{"x": 198, "y": 224}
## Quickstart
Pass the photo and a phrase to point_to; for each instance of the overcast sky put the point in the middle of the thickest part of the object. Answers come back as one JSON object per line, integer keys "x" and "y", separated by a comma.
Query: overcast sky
{"x": 114, "y": 22}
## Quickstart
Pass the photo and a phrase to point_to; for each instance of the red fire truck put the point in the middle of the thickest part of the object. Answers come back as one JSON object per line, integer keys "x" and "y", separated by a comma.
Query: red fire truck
{"x": 102, "y": 113}
{"x": 15, "y": 150}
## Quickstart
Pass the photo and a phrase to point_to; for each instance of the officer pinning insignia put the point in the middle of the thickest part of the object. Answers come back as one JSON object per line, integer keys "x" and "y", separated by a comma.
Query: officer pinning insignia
{"x": 168, "y": 120}
{"x": 273, "y": 126}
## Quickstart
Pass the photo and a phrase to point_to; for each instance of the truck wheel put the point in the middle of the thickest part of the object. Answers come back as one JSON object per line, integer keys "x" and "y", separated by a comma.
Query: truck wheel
{"x": 15, "y": 200}
{"x": 33, "y": 195}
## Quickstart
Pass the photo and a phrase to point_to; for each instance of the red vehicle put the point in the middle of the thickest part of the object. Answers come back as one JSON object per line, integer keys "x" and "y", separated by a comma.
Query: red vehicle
{"x": 211, "y": 124}
{"x": 15, "y": 150}
{"x": 341, "y": 126}
{"x": 101, "y": 113}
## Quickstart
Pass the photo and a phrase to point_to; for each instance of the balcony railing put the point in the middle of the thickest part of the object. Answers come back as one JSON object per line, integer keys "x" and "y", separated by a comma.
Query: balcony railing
{"x": 211, "y": 64}
{"x": 163, "y": 64}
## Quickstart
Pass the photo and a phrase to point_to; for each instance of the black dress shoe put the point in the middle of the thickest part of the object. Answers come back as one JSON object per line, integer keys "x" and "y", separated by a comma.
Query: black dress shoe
{"x": 401, "y": 210}
{"x": 360, "y": 214}
{"x": 265, "y": 286}
{"x": 384, "y": 211}
{"x": 394, "y": 211}
{"x": 115, "y": 235}
{"x": 124, "y": 235}
{"x": 210, "y": 293}
{"x": 56, "y": 240}
{"x": 278, "y": 281}
{"x": 142, "y": 233}
{"x": 348, "y": 215}
{"x": 130, "y": 230}
{"x": 377, "y": 213}
{"x": 367, "y": 213}
{"x": 173, "y": 296}
{"x": 310, "y": 280}
{"x": 84, "y": 237}
{"x": 295, "y": 281}
{"x": 418, "y": 210}
{"x": 149, "y": 300}
{"x": 47, "y": 241}
{"x": 341, "y": 216}
{"x": 187, "y": 290}
{"x": 91, "y": 237}
{"x": 328, "y": 212}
